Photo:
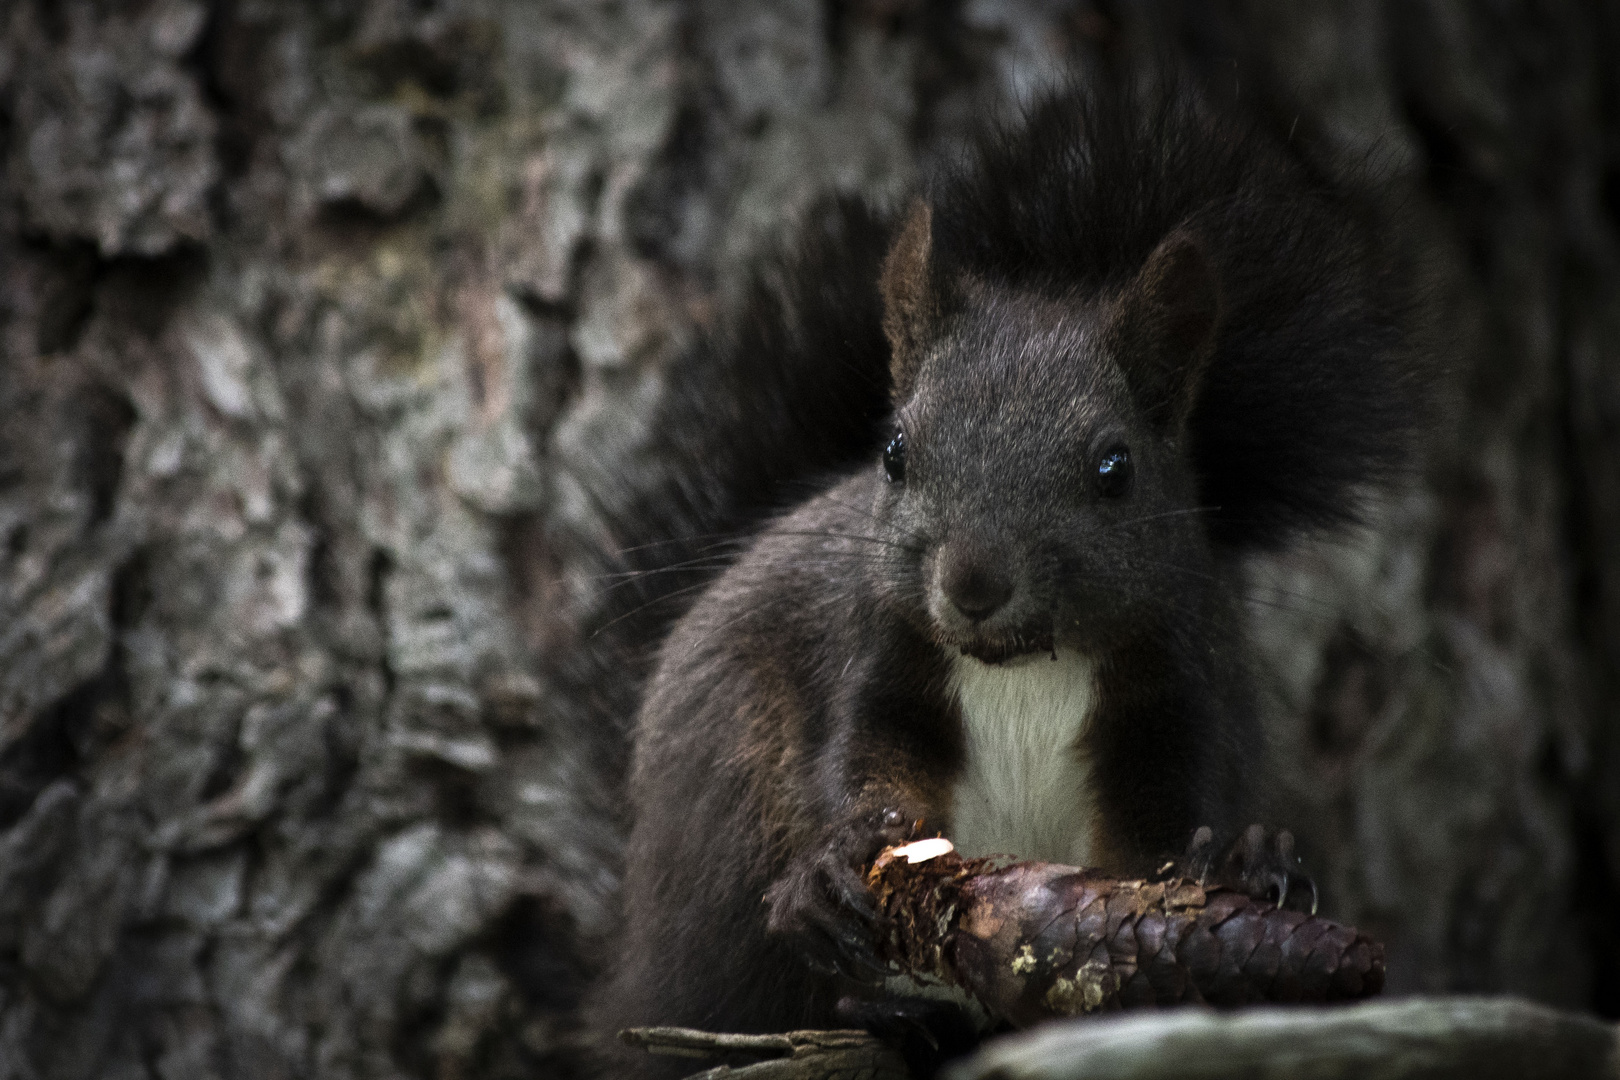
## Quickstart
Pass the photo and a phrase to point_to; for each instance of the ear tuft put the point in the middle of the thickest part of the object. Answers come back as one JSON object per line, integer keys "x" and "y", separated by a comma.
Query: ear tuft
{"x": 1164, "y": 331}
{"x": 910, "y": 302}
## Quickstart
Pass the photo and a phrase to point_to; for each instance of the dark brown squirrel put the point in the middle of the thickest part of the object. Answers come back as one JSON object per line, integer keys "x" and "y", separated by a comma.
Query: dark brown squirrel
{"x": 1129, "y": 341}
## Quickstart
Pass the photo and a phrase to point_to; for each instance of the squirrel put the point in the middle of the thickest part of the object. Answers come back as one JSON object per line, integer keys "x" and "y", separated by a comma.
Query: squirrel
{"x": 1120, "y": 346}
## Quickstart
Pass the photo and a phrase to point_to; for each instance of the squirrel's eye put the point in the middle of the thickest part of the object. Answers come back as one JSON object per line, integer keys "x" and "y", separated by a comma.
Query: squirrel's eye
{"x": 894, "y": 458}
{"x": 1114, "y": 473}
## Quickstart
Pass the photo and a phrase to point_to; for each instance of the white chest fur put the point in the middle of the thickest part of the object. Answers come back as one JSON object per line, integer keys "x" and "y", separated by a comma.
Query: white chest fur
{"x": 1025, "y": 790}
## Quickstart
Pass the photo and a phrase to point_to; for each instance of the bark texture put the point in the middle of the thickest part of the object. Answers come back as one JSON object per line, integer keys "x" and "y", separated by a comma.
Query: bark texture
{"x": 327, "y": 334}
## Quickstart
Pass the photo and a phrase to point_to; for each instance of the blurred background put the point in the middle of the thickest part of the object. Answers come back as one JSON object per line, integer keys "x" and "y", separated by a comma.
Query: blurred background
{"x": 329, "y": 331}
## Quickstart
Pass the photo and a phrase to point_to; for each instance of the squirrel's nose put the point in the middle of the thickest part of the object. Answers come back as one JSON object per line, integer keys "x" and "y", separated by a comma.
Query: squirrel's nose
{"x": 973, "y": 582}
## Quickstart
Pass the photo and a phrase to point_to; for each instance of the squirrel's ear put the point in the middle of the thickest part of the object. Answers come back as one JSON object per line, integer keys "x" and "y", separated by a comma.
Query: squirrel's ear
{"x": 1164, "y": 330}
{"x": 910, "y": 303}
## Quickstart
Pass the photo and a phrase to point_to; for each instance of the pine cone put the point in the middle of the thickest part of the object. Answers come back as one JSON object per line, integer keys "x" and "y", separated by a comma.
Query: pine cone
{"x": 1037, "y": 940}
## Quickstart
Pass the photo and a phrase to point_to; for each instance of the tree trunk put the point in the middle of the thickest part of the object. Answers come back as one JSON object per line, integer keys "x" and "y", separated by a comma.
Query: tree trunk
{"x": 328, "y": 333}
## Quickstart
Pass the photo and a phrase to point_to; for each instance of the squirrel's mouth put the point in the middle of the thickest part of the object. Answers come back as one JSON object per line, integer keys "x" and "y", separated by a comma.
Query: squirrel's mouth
{"x": 1000, "y": 648}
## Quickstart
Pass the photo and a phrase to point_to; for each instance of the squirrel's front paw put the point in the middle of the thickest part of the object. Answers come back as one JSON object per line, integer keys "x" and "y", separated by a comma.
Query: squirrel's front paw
{"x": 822, "y": 902}
{"x": 1258, "y": 862}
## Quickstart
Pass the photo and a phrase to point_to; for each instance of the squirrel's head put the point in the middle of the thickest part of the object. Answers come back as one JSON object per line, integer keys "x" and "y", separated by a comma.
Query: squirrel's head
{"x": 1038, "y": 467}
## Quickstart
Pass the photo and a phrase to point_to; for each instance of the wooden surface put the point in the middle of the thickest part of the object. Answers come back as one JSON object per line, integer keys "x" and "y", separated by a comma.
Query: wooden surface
{"x": 793, "y": 1055}
{"x": 1462, "y": 1038}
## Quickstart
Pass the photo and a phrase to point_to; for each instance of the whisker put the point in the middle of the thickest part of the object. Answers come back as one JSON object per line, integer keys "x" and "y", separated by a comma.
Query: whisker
{"x": 850, "y": 536}
{"x": 621, "y": 579}
{"x": 722, "y": 537}
{"x": 1323, "y": 608}
{"x": 1166, "y": 514}
{"x": 723, "y": 626}
{"x": 869, "y": 515}
{"x": 700, "y": 563}
{"x": 617, "y": 586}
{"x": 639, "y": 608}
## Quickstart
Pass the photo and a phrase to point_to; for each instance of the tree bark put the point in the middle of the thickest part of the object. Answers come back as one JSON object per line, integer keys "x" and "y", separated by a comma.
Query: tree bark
{"x": 328, "y": 332}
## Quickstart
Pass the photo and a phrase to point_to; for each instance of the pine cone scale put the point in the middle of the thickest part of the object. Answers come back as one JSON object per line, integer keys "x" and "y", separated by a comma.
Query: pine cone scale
{"x": 1036, "y": 940}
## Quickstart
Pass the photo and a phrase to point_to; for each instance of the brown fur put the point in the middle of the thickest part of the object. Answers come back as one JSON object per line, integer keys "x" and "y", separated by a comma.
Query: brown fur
{"x": 910, "y": 304}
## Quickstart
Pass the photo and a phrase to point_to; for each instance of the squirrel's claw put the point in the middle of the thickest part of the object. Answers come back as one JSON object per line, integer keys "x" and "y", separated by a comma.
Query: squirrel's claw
{"x": 1258, "y": 862}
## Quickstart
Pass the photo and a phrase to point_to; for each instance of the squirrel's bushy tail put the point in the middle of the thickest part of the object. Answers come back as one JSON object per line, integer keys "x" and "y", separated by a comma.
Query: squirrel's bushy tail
{"x": 790, "y": 387}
